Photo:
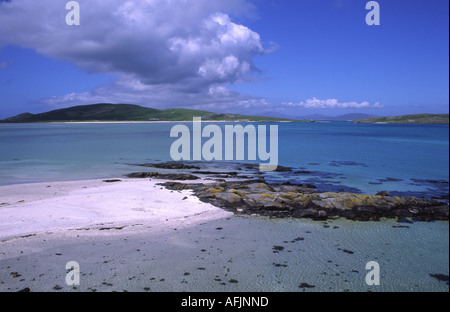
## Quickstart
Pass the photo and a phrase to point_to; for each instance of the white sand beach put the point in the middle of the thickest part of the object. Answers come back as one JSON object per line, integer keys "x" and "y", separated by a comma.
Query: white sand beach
{"x": 42, "y": 207}
{"x": 41, "y": 216}
{"x": 134, "y": 235}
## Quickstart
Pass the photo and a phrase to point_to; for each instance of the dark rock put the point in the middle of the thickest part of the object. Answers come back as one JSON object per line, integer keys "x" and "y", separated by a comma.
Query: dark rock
{"x": 390, "y": 180}
{"x": 305, "y": 285}
{"x": 427, "y": 181}
{"x": 163, "y": 176}
{"x": 231, "y": 174}
{"x": 441, "y": 278}
{"x": 177, "y": 186}
{"x": 170, "y": 165}
{"x": 232, "y": 199}
{"x": 112, "y": 181}
{"x": 283, "y": 169}
{"x": 308, "y": 185}
{"x": 15, "y": 275}
{"x": 383, "y": 193}
{"x": 303, "y": 172}
{"x": 111, "y": 228}
{"x": 279, "y": 168}
{"x": 305, "y": 213}
{"x": 277, "y": 249}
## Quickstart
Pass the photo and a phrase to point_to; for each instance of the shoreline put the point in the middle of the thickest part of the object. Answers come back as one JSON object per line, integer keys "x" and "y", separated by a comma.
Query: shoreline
{"x": 149, "y": 122}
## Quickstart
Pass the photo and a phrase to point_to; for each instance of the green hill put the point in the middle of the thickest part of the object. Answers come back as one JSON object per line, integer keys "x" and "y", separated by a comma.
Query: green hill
{"x": 127, "y": 112}
{"x": 410, "y": 119}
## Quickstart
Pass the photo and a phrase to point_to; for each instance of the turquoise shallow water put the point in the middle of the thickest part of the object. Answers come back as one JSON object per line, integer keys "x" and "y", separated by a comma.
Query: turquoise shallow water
{"x": 261, "y": 254}
{"x": 367, "y": 157}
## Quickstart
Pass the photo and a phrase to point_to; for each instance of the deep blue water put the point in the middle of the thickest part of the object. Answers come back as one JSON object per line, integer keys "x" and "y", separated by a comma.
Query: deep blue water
{"x": 339, "y": 155}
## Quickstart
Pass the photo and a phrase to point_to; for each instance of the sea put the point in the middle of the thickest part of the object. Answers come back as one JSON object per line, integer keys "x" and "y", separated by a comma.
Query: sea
{"x": 333, "y": 156}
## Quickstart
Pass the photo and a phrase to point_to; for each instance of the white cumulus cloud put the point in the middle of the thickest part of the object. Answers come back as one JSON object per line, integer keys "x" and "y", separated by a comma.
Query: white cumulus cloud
{"x": 165, "y": 50}
{"x": 158, "y": 41}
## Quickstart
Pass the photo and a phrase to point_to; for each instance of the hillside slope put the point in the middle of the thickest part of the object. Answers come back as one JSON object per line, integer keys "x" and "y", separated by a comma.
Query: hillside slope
{"x": 127, "y": 112}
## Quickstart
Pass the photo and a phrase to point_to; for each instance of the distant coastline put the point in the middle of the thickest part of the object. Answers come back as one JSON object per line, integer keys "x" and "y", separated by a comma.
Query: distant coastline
{"x": 409, "y": 119}
{"x": 128, "y": 113}
{"x": 132, "y": 113}
{"x": 144, "y": 122}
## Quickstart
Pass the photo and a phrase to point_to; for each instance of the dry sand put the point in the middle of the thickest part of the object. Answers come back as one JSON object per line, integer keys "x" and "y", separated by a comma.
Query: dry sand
{"x": 42, "y": 207}
{"x": 37, "y": 218}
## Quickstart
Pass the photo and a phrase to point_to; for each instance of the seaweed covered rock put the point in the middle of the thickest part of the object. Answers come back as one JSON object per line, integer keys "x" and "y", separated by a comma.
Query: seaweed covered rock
{"x": 304, "y": 201}
{"x": 162, "y": 176}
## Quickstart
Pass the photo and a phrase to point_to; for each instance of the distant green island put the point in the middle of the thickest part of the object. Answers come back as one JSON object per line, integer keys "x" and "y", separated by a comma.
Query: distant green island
{"x": 128, "y": 112}
{"x": 410, "y": 119}
{"x": 106, "y": 112}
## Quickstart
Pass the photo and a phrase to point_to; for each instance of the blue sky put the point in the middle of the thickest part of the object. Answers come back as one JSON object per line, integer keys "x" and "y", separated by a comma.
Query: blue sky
{"x": 284, "y": 57}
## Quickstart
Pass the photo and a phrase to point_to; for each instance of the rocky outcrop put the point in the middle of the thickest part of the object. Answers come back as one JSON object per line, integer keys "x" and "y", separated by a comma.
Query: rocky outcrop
{"x": 170, "y": 165}
{"x": 162, "y": 176}
{"x": 304, "y": 201}
{"x": 312, "y": 200}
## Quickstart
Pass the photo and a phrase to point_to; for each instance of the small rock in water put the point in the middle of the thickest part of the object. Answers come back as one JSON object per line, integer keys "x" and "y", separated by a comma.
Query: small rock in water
{"x": 297, "y": 239}
{"x": 305, "y": 285}
{"x": 15, "y": 275}
{"x": 279, "y": 265}
{"x": 441, "y": 277}
{"x": 277, "y": 249}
